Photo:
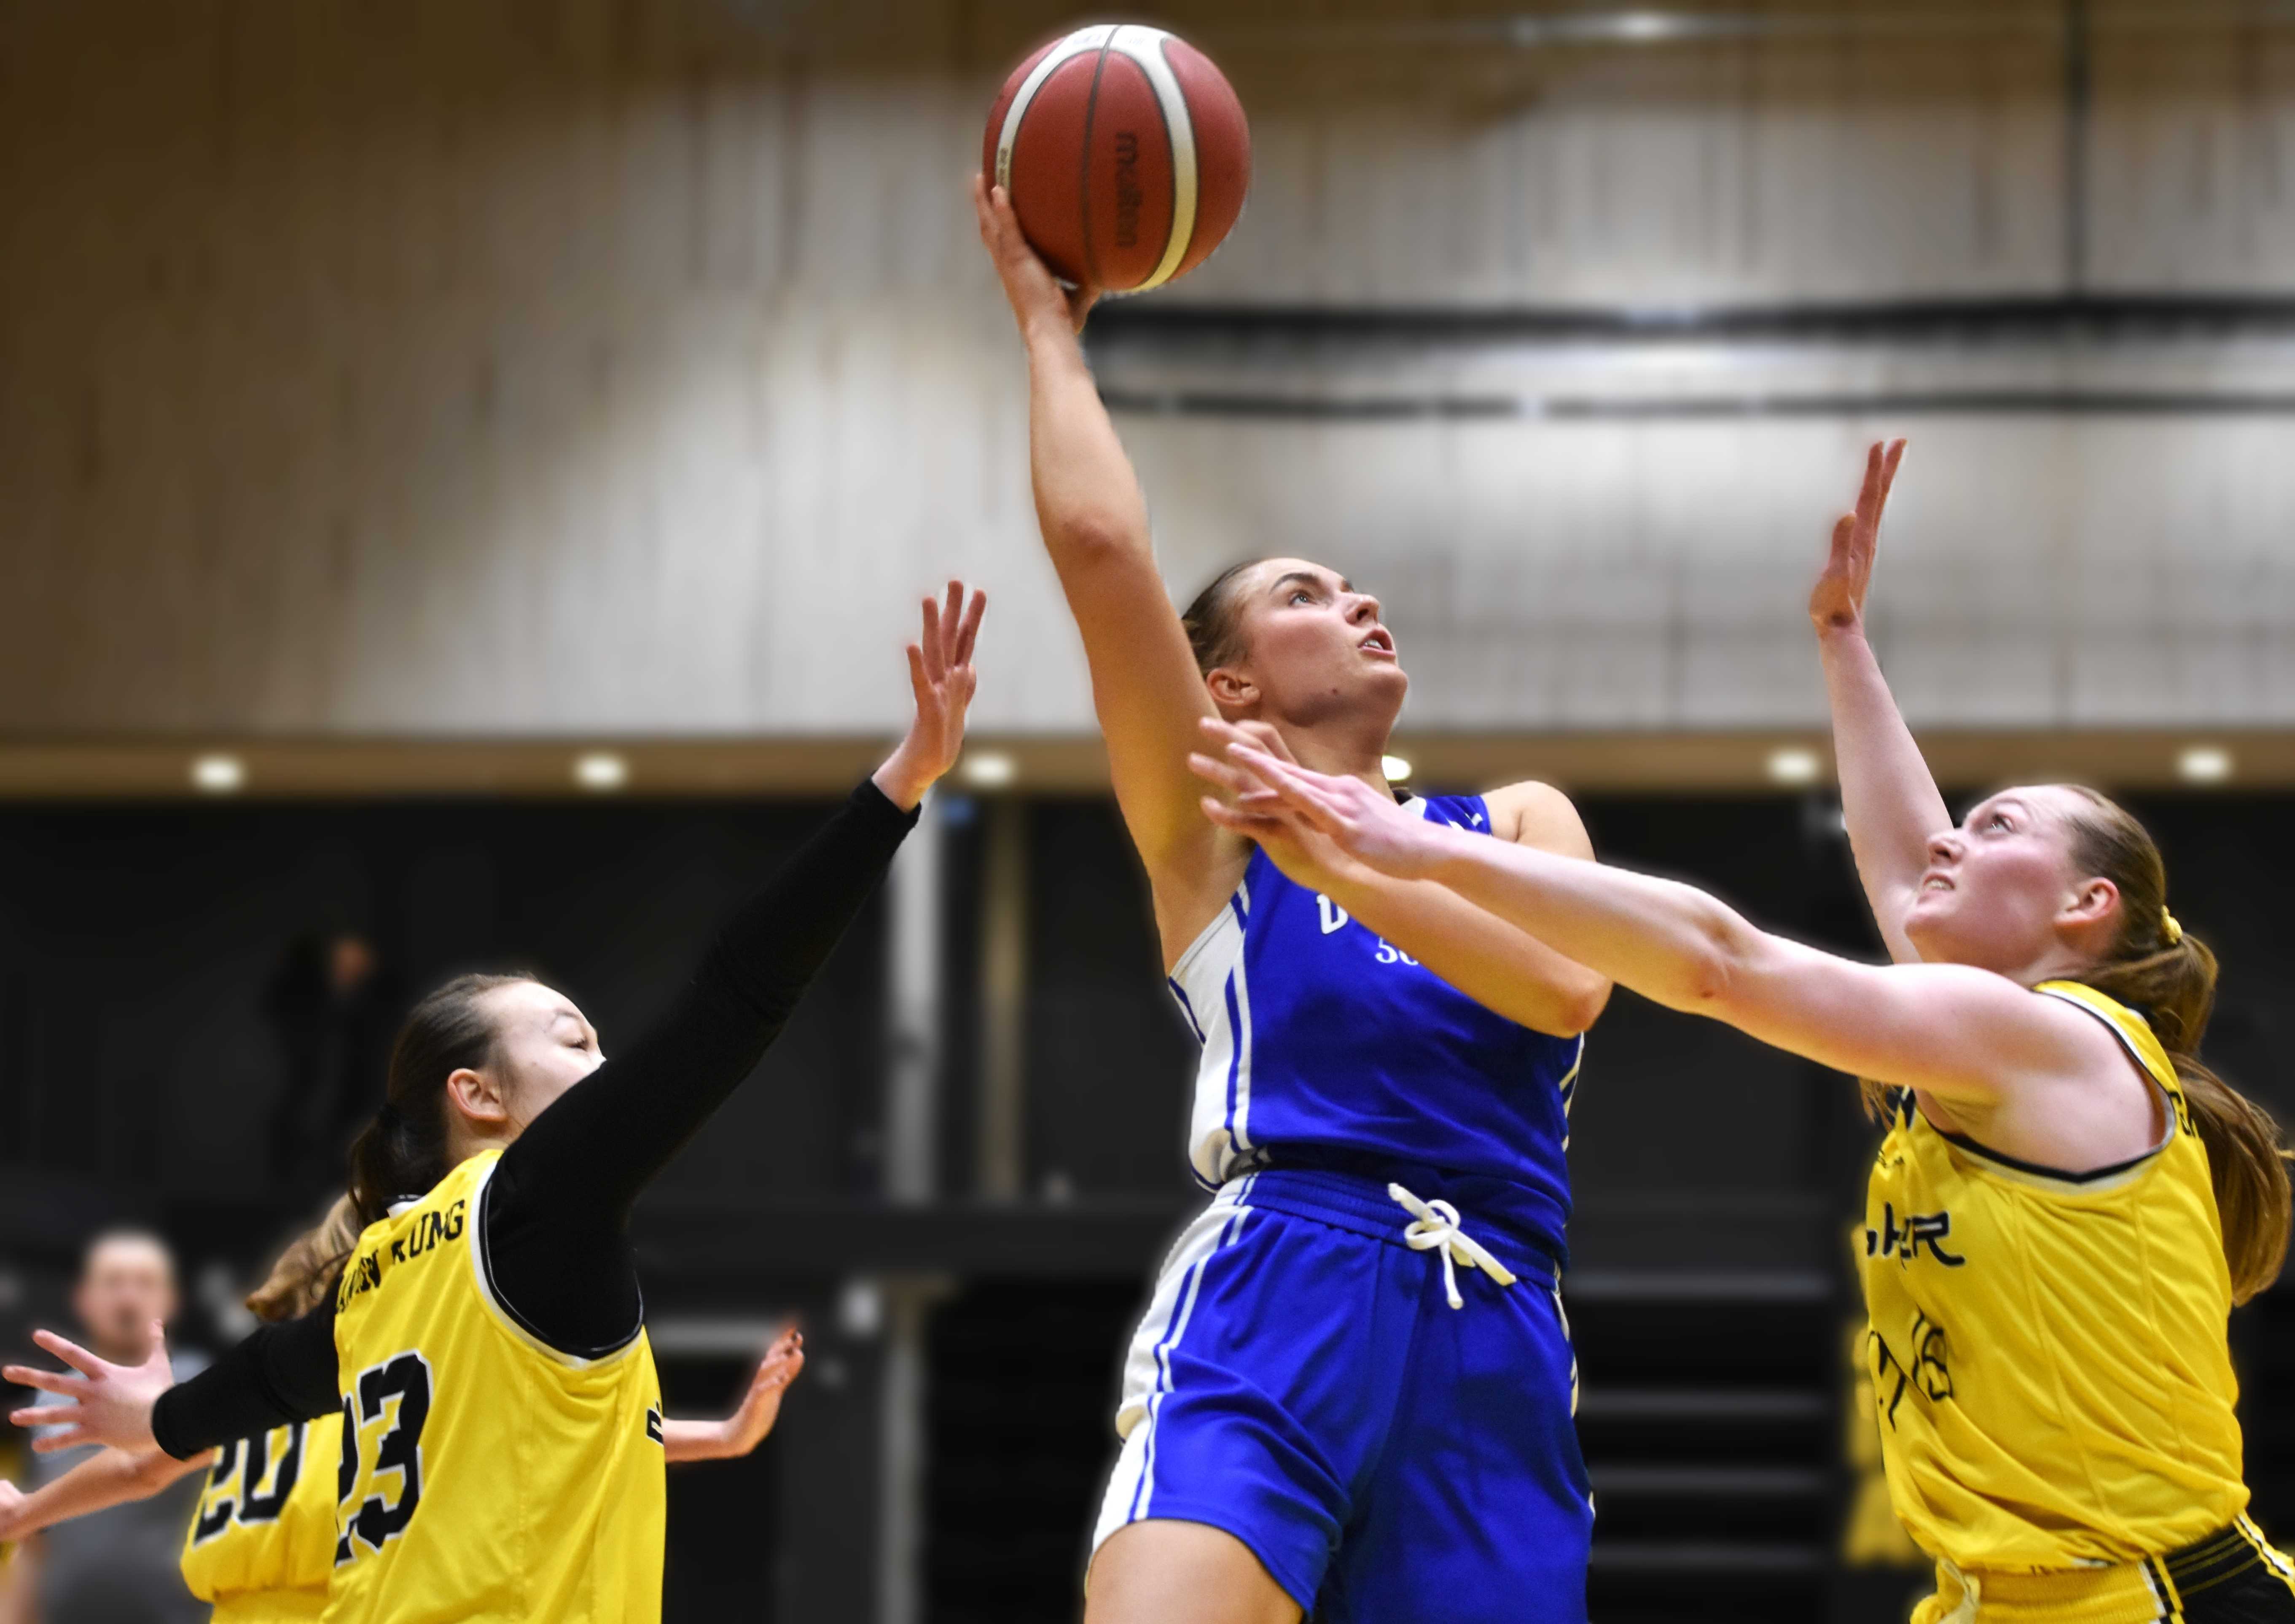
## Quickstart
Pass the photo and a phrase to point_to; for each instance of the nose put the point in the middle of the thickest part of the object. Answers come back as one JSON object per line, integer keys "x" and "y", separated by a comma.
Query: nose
{"x": 1362, "y": 608}
{"x": 1944, "y": 848}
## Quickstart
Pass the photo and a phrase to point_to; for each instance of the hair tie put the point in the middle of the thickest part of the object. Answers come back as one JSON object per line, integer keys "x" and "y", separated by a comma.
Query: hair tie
{"x": 2169, "y": 928}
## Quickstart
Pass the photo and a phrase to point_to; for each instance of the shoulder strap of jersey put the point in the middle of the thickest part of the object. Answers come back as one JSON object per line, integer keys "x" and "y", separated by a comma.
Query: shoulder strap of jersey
{"x": 2132, "y": 1029}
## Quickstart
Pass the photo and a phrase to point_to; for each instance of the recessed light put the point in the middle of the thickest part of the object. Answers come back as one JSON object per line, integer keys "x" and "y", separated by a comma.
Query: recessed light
{"x": 218, "y": 774}
{"x": 988, "y": 769}
{"x": 1795, "y": 764}
{"x": 1396, "y": 768}
{"x": 2203, "y": 764}
{"x": 601, "y": 770}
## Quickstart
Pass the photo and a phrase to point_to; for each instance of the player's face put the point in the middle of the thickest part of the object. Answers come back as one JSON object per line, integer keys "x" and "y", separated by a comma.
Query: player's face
{"x": 543, "y": 1047}
{"x": 127, "y": 1283}
{"x": 1997, "y": 890}
{"x": 1314, "y": 647}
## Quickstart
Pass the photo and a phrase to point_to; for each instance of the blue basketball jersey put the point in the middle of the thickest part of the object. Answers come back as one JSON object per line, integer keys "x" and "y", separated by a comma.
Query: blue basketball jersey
{"x": 1319, "y": 1037}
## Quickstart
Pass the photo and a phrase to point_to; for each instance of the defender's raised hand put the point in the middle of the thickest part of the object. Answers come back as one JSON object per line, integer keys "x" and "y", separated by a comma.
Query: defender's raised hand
{"x": 1035, "y": 293}
{"x": 110, "y": 1403}
{"x": 941, "y": 677}
{"x": 1838, "y": 602}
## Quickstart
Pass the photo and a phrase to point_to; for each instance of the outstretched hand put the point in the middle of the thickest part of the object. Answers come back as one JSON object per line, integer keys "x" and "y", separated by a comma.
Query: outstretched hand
{"x": 110, "y": 1404}
{"x": 941, "y": 677}
{"x": 1837, "y": 604}
{"x": 760, "y": 1406}
{"x": 1274, "y": 799}
{"x": 1036, "y": 295}
{"x": 11, "y": 1512}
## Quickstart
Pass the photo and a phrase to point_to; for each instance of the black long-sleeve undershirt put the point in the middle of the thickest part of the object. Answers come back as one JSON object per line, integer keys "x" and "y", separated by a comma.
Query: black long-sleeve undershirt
{"x": 556, "y": 1213}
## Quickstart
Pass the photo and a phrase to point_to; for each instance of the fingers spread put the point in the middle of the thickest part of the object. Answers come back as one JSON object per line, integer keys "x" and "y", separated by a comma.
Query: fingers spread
{"x": 970, "y": 632}
{"x": 78, "y": 1357}
{"x": 60, "y": 1382}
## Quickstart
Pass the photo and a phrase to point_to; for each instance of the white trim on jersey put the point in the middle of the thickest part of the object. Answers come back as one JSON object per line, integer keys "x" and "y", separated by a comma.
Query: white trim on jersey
{"x": 1147, "y": 1363}
{"x": 1210, "y": 985}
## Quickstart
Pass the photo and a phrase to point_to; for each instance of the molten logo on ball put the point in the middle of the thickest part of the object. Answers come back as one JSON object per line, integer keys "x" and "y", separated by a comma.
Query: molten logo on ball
{"x": 1128, "y": 195}
{"x": 1125, "y": 153}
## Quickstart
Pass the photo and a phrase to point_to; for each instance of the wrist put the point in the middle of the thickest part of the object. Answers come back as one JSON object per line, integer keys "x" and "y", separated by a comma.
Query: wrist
{"x": 1840, "y": 634}
{"x": 902, "y": 781}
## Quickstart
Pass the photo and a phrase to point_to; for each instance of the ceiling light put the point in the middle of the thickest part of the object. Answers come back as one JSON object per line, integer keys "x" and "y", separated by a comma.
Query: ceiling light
{"x": 218, "y": 775}
{"x": 988, "y": 769}
{"x": 2203, "y": 764}
{"x": 601, "y": 770}
{"x": 1397, "y": 770}
{"x": 1795, "y": 764}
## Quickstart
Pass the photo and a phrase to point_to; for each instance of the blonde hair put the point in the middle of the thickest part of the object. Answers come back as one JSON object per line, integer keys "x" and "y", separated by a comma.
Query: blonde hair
{"x": 299, "y": 1281}
{"x": 2168, "y": 977}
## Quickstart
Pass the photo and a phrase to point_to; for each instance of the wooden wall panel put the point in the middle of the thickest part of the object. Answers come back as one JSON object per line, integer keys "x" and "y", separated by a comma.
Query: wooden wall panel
{"x": 576, "y": 365}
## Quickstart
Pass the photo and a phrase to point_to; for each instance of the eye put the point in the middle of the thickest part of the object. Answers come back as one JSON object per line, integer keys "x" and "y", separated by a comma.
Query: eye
{"x": 1999, "y": 820}
{"x": 1299, "y": 594}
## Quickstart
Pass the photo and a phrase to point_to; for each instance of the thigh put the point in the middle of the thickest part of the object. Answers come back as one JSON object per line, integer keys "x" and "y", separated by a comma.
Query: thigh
{"x": 1260, "y": 1387}
{"x": 1479, "y": 1510}
{"x": 1171, "y": 1572}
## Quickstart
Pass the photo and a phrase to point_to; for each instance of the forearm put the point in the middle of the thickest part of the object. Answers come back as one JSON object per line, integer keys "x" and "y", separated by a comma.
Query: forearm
{"x": 585, "y": 1158}
{"x": 281, "y": 1373}
{"x": 1085, "y": 489}
{"x": 1888, "y": 799}
{"x": 1498, "y": 966}
{"x": 1672, "y": 944}
{"x": 113, "y": 1477}
{"x": 685, "y": 1441}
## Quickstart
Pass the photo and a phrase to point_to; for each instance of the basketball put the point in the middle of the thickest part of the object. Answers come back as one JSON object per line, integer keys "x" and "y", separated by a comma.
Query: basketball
{"x": 1125, "y": 152}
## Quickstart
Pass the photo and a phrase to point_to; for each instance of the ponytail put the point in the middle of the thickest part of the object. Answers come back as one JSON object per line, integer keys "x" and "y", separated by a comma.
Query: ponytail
{"x": 2168, "y": 974}
{"x": 402, "y": 1151}
{"x": 299, "y": 1281}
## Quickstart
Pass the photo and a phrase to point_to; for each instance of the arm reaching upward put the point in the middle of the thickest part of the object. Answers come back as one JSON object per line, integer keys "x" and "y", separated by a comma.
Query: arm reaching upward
{"x": 1888, "y": 799}
{"x": 740, "y": 1432}
{"x": 1145, "y": 685}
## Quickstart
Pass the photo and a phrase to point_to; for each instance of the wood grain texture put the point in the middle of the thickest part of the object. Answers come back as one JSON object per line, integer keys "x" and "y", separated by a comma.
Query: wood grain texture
{"x": 575, "y": 366}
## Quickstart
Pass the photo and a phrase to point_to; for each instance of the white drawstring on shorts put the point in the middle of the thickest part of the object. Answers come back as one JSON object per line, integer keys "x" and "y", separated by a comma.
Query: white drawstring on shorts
{"x": 1434, "y": 1228}
{"x": 1972, "y": 1593}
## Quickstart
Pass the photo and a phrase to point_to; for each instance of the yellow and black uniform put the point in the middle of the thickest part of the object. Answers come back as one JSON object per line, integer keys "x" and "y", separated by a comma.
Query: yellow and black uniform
{"x": 261, "y": 1546}
{"x": 486, "y": 1474}
{"x": 2050, "y": 1369}
{"x": 486, "y": 1348}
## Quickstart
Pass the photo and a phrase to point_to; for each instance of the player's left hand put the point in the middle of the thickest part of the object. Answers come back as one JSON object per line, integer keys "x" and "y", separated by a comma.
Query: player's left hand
{"x": 941, "y": 677}
{"x": 760, "y": 1406}
{"x": 1271, "y": 797}
{"x": 110, "y": 1403}
{"x": 1305, "y": 856}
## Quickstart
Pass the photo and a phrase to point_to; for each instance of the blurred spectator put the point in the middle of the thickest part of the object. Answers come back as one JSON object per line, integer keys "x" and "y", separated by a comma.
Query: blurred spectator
{"x": 331, "y": 1008}
{"x": 118, "y": 1566}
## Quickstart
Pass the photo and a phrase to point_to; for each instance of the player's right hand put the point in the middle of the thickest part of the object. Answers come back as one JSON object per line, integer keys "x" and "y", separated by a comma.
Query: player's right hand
{"x": 11, "y": 1514}
{"x": 1837, "y": 603}
{"x": 110, "y": 1404}
{"x": 1035, "y": 294}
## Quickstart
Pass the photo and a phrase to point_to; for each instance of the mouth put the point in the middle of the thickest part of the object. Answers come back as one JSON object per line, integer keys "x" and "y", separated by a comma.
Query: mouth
{"x": 1380, "y": 643}
{"x": 1935, "y": 882}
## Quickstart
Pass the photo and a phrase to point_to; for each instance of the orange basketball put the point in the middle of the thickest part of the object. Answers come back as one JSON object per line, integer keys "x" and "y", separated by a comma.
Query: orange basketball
{"x": 1125, "y": 153}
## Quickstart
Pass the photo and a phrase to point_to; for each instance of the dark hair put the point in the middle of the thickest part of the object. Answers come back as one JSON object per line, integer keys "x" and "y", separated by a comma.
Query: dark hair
{"x": 403, "y": 1152}
{"x": 2167, "y": 973}
{"x": 299, "y": 1281}
{"x": 1213, "y": 619}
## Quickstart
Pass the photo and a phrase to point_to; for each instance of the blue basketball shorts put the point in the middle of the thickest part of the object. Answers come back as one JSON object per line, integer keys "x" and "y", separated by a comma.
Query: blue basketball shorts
{"x": 1301, "y": 1382}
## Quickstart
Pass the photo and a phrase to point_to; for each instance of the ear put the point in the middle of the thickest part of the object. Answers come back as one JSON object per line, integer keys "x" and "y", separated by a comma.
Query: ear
{"x": 1235, "y": 695}
{"x": 2093, "y": 902}
{"x": 477, "y": 1097}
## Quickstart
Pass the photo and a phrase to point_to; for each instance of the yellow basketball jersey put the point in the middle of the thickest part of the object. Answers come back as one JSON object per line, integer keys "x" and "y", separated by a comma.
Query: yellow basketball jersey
{"x": 485, "y": 1476}
{"x": 2048, "y": 1354}
{"x": 261, "y": 1546}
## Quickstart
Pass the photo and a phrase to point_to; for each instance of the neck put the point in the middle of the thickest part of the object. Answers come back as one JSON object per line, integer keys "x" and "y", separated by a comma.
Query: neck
{"x": 1341, "y": 751}
{"x": 465, "y": 1141}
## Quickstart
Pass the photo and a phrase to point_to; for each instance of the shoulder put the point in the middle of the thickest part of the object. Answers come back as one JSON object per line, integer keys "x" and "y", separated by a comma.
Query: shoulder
{"x": 1536, "y": 814}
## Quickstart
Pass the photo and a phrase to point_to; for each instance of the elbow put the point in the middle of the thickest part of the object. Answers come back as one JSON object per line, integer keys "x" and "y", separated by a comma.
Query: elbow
{"x": 1092, "y": 539}
{"x": 1580, "y": 1005}
{"x": 1718, "y": 966}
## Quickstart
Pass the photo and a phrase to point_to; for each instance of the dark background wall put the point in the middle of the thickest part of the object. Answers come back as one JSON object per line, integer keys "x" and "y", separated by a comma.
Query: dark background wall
{"x": 139, "y": 1073}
